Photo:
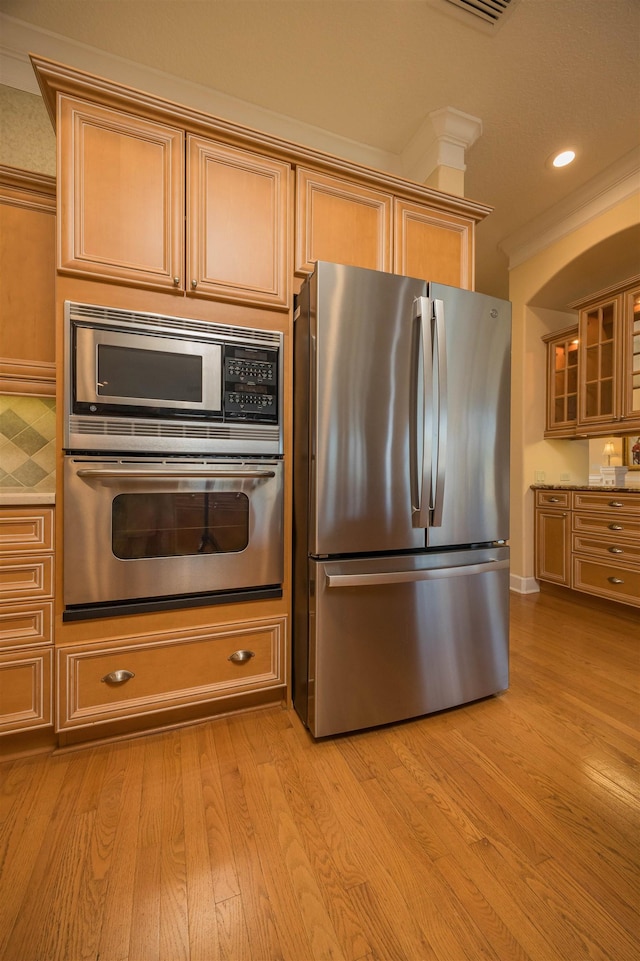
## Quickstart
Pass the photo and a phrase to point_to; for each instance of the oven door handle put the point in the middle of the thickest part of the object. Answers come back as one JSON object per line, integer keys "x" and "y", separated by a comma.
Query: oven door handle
{"x": 98, "y": 472}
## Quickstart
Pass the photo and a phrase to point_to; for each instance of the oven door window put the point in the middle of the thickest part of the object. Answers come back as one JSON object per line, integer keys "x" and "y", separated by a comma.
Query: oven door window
{"x": 179, "y": 524}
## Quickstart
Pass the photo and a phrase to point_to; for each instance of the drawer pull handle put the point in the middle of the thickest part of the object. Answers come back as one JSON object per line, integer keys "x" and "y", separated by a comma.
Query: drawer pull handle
{"x": 241, "y": 657}
{"x": 616, "y": 550}
{"x": 118, "y": 677}
{"x": 616, "y": 527}
{"x": 615, "y": 580}
{"x": 616, "y": 504}
{"x": 554, "y": 500}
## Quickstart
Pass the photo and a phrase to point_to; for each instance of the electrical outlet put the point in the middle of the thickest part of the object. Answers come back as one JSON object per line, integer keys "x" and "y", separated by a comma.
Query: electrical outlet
{"x": 565, "y": 477}
{"x": 539, "y": 475}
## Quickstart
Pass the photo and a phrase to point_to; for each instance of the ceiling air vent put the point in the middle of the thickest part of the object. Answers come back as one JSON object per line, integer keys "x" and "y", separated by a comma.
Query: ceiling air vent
{"x": 489, "y": 11}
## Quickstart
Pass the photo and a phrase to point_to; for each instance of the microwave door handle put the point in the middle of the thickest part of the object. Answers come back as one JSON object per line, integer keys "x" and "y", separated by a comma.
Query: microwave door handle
{"x": 100, "y": 472}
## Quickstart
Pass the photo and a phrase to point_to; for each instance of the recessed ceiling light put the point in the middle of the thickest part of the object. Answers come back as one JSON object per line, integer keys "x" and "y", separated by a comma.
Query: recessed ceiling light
{"x": 563, "y": 158}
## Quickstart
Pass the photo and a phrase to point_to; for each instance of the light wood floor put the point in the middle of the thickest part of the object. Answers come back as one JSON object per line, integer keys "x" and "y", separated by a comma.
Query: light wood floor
{"x": 507, "y": 829}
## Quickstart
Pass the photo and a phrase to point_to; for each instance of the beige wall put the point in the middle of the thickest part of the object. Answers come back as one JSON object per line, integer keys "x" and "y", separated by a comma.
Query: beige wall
{"x": 27, "y": 138}
{"x": 529, "y": 451}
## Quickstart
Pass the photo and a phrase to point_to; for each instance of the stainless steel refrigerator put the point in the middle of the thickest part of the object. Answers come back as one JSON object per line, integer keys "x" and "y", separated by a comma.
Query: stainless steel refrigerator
{"x": 401, "y": 498}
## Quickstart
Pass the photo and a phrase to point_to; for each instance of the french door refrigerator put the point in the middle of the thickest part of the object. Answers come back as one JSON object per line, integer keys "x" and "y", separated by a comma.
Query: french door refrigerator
{"x": 401, "y": 492}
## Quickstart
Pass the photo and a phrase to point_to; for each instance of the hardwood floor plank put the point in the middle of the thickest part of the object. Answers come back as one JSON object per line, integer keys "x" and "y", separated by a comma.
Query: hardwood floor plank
{"x": 201, "y": 903}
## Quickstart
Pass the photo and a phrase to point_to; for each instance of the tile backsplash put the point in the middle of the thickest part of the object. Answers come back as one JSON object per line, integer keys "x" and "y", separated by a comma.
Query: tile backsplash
{"x": 27, "y": 442}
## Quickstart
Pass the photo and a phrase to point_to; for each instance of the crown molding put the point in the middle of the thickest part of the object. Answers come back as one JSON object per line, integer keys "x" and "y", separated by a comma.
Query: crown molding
{"x": 20, "y": 39}
{"x": 604, "y": 192}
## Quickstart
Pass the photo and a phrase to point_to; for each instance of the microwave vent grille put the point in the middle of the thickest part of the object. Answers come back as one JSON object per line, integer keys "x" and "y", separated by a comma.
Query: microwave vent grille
{"x": 176, "y": 326}
{"x": 113, "y": 427}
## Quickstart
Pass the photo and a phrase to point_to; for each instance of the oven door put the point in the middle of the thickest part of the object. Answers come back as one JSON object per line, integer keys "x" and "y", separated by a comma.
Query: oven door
{"x": 177, "y": 529}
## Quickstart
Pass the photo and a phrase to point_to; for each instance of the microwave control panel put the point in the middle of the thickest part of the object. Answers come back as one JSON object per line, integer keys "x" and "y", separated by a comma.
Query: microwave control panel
{"x": 250, "y": 389}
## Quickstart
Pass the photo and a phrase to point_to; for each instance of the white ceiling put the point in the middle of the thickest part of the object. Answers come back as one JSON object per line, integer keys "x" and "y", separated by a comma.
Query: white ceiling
{"x": 551, "y": 73}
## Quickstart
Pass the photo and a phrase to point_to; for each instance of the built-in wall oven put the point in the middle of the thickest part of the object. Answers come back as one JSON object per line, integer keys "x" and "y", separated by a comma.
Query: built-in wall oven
{"x": 173, "y": 472}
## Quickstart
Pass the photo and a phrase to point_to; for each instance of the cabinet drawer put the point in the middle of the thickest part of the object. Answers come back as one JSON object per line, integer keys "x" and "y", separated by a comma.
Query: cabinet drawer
{"x": 553, "y": 498}
{"x": 603, "y": 501}
{"x": 607, "y": 548}
{"x": 616, "y": 582}
{"x": 26, "y": 623}
{"x": 161, "y": 672}
{"x": 25, "y": 690}
{"x": 26, "y": 530}
{"x": 26, "y": 577}
{"x": 613, "y": 526}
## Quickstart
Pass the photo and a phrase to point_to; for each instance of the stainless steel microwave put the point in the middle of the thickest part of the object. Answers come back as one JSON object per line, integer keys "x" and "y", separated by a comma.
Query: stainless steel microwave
{"x": 159, "y": 384}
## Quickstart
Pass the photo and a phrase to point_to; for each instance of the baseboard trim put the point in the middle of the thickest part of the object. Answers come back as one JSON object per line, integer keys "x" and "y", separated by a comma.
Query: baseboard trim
{"x": 523, "y": 585}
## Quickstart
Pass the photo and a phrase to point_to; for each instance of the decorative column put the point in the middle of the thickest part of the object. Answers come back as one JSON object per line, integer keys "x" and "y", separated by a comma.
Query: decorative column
{"x": 435, "y": 155}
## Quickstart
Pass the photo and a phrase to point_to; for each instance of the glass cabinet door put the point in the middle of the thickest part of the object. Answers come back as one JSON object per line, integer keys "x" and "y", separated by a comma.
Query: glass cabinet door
{"x": 562, "y": 383}
{"x": 598, "y": 331}
{"x": 631, "y": 359}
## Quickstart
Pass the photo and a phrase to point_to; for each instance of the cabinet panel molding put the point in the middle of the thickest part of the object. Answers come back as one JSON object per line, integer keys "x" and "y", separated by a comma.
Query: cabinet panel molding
{"x": 341, "y": 221}
{"x": 25, "y": 530}
{"x": 25, "y": 690}
{"x": 121, "y": 209}
{"x": 433, "y": 245}
{"x": 26, "y": 623}
{"x": 238, "y": 232}
{"x": 170, "y": 671}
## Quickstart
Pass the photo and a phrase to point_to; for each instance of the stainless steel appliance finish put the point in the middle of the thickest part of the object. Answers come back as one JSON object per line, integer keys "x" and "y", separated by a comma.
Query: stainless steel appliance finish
{"x": 401, "y": 443}
{"x": 151, "y": 383}
{"x": 147, "y": 528}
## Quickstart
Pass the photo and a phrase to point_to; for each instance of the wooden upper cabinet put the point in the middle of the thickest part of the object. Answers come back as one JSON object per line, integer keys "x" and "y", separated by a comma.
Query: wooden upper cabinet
{"x": 433, "y": 245}
{"x": 237, "y": 225}
{"x": 27, "y": 282}
{"x": 631, "y": 359}
{"x": 124, "y": 191}
{"x": 562, "y": 382}
{"x": 341, "y": 221}
{"x": 599, "y": 335}
{"x": 121, "y": 204}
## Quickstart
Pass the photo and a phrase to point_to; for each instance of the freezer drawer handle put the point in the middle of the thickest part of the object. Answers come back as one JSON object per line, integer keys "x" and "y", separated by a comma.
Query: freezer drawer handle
{"x": 400, "y": 577}
{"x": 151, "y": 473}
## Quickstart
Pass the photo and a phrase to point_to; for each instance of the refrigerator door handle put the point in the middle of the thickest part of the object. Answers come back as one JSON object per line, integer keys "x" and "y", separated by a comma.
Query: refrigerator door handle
{"x": 441, "y": 418}
{"x": 422, "y": 416}
{"x": 402, "y": 577}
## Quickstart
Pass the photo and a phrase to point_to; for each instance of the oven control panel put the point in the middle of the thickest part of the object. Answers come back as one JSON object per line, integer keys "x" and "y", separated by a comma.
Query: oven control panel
{"x": 250, "y": 389}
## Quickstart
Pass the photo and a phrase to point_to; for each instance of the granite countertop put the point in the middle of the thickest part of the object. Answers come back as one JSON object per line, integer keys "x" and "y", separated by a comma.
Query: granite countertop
{"x": 585, "y": 487}
{"x": 16, "y": 496}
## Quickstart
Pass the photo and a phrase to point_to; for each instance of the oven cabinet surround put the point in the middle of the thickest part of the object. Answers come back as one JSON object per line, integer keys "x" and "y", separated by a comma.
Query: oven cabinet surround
{"x": 127, "y": 182}
{"x": 27, "y": 282}
{"x": 200, "y": 670}
{"x": 26, "y": 618}
{"x": 589, "y": 540}
{"x": 257, "y": 208}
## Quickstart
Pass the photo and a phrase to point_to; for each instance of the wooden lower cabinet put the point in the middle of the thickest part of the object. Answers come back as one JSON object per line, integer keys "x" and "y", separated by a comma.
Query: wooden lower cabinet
{"x": 593, "y": 546}
{"x": 553, "y": 538}
{"x": 26, "y": 619}
{"x": 25, "y": 690}
{"x": 128, "y": 678}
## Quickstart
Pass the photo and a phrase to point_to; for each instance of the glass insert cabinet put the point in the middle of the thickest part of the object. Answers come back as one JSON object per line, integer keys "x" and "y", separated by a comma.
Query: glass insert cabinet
{"x": 593, "y": 368}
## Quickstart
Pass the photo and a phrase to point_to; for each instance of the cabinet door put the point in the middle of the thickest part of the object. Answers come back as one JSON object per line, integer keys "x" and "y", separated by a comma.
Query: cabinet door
{"x": 121, "y": 196}
{"x": 341, "y": 221}
{"x": 599, "y": 405}
{"x": 238, "y": 225}
{"x": 27, "y": 281}
{"x": 433, "y": 245}
{"x": 562, "y": 383}
{"x": 631, "y": 360}
{"x": 552, "y": 546}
